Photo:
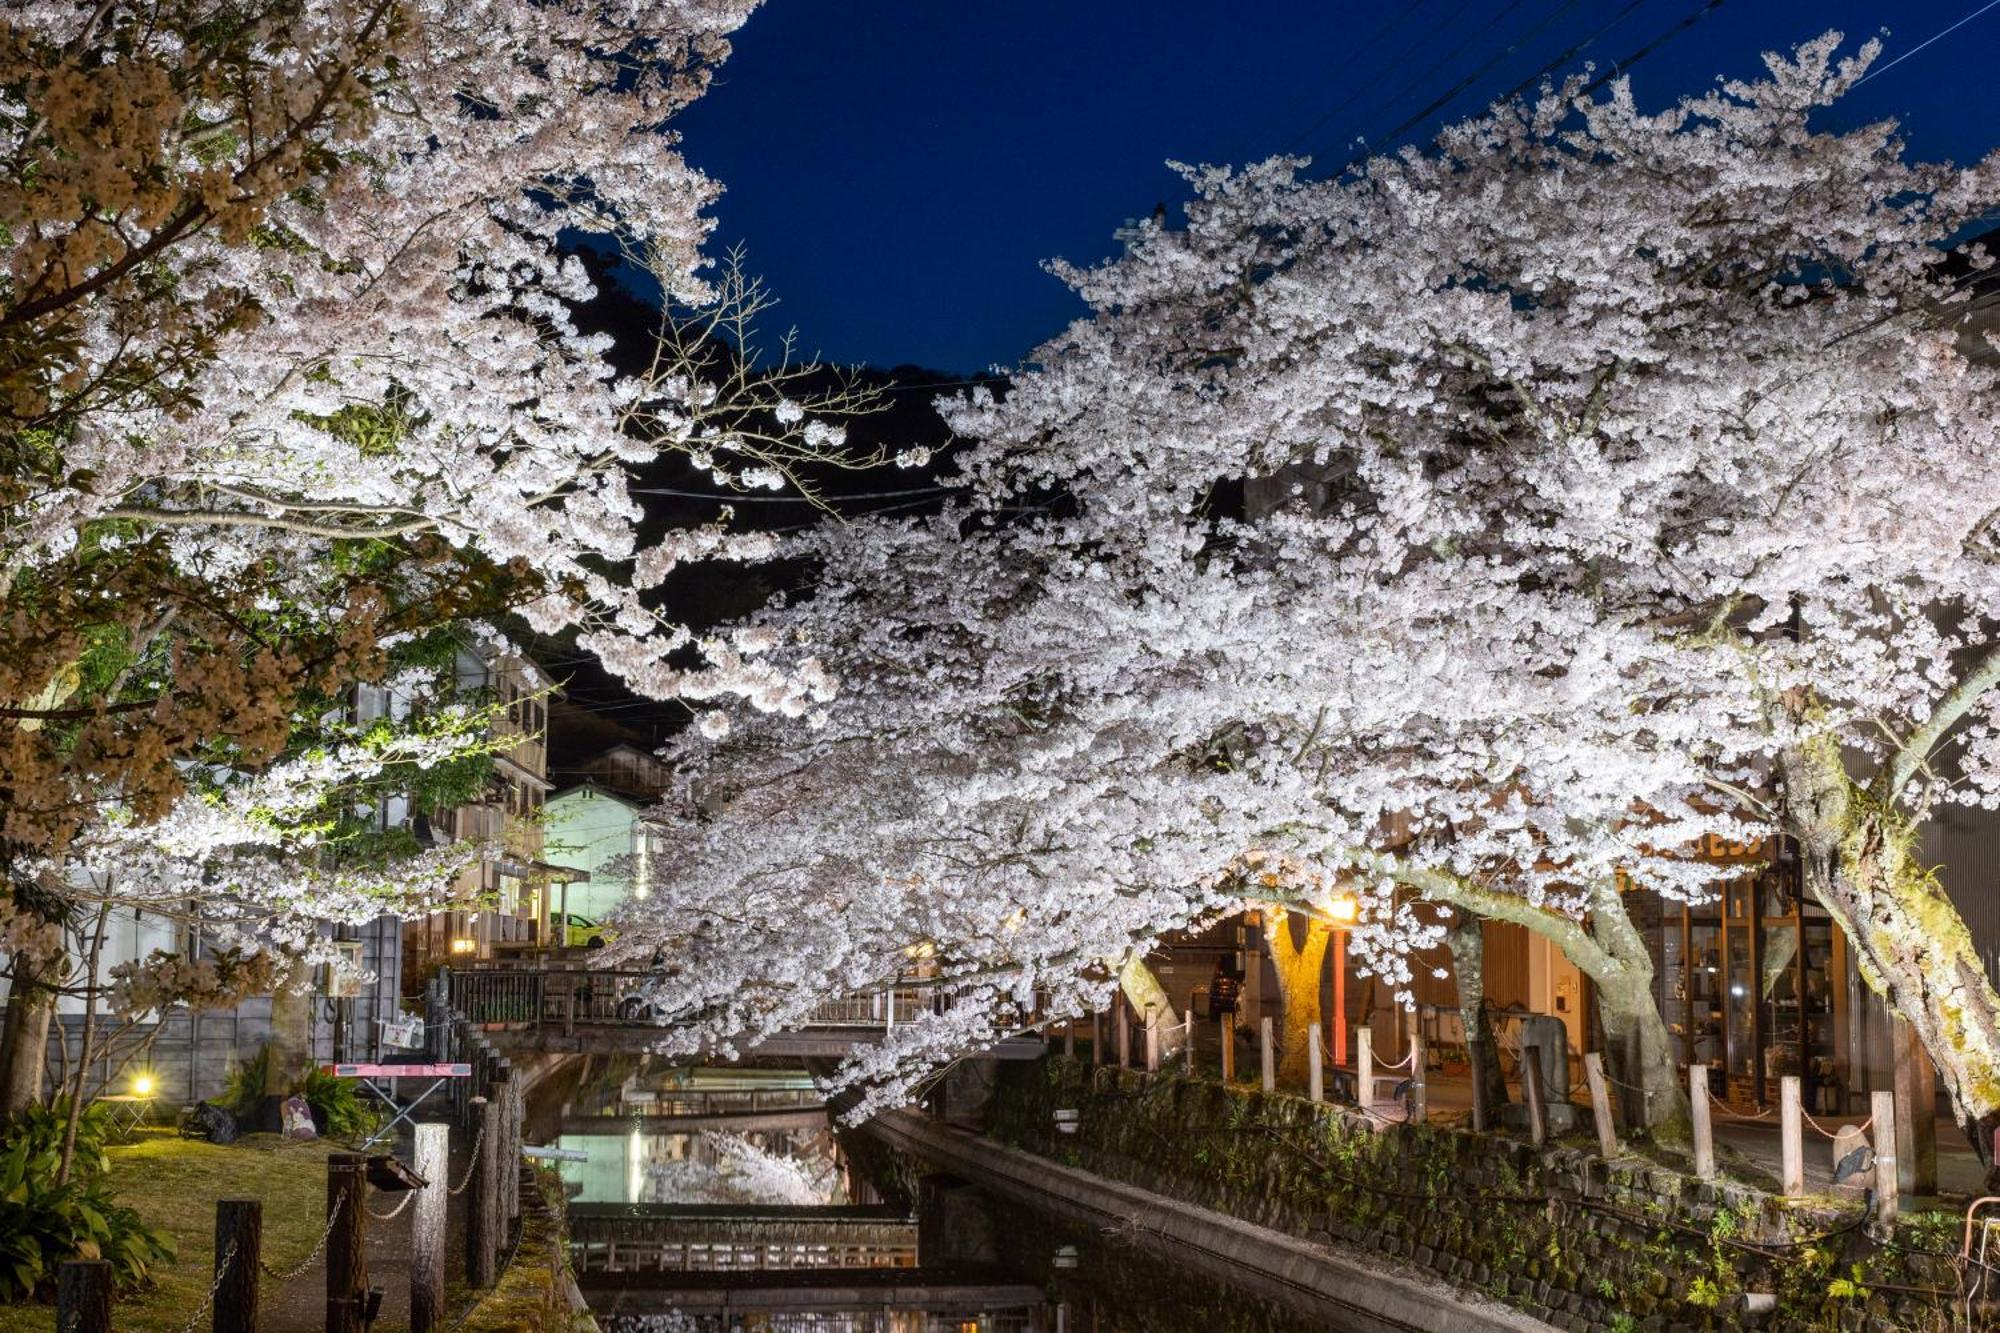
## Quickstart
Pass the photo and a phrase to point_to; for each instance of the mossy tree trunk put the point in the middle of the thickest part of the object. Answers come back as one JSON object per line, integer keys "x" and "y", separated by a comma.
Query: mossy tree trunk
{"x": 1467, "y": 942}
{"x": 1298, "y": 952}
{"x": 1610, "y": 951}
{"x": 1859, "y": 855}
{"x": 24, "y": 1040}
{"x": 1149, "y": 999}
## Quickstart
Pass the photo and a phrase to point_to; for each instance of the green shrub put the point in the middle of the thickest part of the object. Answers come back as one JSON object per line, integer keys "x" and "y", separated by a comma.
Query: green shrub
{"x": 340, "y": 1107}
{"x": 345, "y": 1114}
{"x": 43, "y": 1223}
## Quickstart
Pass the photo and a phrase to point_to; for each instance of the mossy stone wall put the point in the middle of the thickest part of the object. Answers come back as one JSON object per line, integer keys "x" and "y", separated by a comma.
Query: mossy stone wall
{"x": 1583, "y": 1243}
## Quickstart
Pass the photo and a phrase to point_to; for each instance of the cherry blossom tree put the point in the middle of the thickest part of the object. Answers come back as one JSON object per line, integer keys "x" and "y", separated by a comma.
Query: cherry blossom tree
{"x": 1614, "y": 478}
{"x": 289, "y": 374}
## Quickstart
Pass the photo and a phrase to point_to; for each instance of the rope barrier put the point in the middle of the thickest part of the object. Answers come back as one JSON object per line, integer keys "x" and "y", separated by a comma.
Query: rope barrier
{"x": 1722, "y": 1108}
{"x": 1647, "y": 1093}
{"x": 1826, "y": 1133}
{"x": 221, "y": 1272}
{"x": 332, "y": 1220}
{"x": 477, "y": 1140}
{"x": 395, "y": 1212}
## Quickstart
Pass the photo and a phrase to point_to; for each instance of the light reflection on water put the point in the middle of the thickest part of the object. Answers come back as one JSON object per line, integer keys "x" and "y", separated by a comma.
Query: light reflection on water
{"x": 1089, "y": 1282}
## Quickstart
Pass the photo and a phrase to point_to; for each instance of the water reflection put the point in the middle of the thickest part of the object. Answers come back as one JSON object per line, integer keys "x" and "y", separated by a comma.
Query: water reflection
{"x": 723, "y": 1202}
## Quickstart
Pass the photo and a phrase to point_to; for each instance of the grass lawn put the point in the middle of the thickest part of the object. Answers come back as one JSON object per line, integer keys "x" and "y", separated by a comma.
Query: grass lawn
{"x": 174, "y": 1184}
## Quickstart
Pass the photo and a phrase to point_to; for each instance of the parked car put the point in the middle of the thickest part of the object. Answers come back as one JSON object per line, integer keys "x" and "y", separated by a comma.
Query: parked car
{"x": 580, "y": 932}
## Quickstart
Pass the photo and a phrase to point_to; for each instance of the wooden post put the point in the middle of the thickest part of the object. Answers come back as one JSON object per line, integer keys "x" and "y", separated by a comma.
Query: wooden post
{"x": 1124, "y": 1033}
{"x": 510, "y": 1149}
{"x": 1916, "y": 1113}
{"x": 1069, "y": 1040}
{"x": 1229, "y": 1048}
{"x": 1531, "y": 1088}
{"x": 83, "y": 1296}
{"x": 346, "y": 1244}
{"x": 1791, "y": 1138}
{"x": 1704, "y": 1126}
{"x": 482, "y": 1214}
{"x": 1187, "y": 1016}
{"x": 1267, "y": 1058}
{"x": 1096, "y": 1038}
{"x": 239, "y": 1233}
{"x": 1887, "y": 1171}
{"x": 1420, "y": 1109}
{"x": 1482, "y": 1114}
{"x": 1364, "y": 1068}
{"x": 1600, "y": 1103}
{"x": 1315, "y": 1068}
{"x": 427, "y": 1229}
{"x": 1152, "y": 1042}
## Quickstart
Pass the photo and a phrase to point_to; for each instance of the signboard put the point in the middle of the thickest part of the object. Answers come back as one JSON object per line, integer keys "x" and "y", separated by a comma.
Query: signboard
{"x": 398, "y": 1071}
{"x": 405, "y": 1034}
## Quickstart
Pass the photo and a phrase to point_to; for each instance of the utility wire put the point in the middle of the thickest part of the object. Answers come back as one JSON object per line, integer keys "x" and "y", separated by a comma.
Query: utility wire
{"x": 1571, "y": 54}
{"x": 1451, "y": 94}
{"x": 1619, "y": 67}
{"x": 1884, "y": 69}
{"x": 1348, "y": 101}
{"x": 1473, "y": 36}
{"x": 1367, "y": 43}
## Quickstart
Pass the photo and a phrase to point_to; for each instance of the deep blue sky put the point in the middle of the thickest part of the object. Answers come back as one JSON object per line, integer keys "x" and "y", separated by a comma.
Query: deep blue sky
{"x": 900, "y": 168}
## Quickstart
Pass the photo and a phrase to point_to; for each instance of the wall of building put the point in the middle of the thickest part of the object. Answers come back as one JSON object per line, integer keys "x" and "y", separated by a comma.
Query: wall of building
{"x": 589, "y": 829}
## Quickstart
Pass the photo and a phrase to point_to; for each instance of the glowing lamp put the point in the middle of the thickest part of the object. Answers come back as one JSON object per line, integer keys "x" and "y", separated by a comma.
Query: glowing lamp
{"x": 1345, "y": 909}
{"x": 143, "y": 1085}
{"x": 464, "y": 945}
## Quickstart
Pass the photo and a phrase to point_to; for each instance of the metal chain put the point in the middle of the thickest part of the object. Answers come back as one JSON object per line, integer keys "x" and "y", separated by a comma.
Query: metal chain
{"x": 332, "y": 1221}
{"x": 393, "y": 1212}
{"x": 471, "y": 1166}
{"x": 221, "y": 1272}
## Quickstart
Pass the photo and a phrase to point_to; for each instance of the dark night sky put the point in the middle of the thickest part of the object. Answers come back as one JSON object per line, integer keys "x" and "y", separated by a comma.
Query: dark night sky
{"x": 899, "y": 168}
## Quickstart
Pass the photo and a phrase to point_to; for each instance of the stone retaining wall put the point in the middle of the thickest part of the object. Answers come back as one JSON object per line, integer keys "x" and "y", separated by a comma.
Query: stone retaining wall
{"x": 1583, "y": 1243}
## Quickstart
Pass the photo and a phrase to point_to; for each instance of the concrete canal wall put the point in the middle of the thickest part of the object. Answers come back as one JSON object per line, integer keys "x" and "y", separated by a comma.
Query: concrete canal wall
{"x": 1583, "y": 1244}
{"x": 1358, "y": 1292}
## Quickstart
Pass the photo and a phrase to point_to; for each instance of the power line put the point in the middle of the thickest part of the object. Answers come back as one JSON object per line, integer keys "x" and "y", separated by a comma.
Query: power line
{"x": 1474, "y": 35}
{"x": 1357, "y": 94}
{"x": 1619, "y": 67}
{"x": 1571, "y": 54}
{"x": 1884, "y": 69}
{"x": 1451, "y": 94}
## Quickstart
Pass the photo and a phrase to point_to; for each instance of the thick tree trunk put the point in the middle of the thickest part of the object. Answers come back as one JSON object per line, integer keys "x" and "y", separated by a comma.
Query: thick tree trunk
{"x": 1467, "y": 942}
{"x": 1908, "y": 939}
{"x": 1640, "y": 1054}
{"x": 1298, "y": 951}
{"x": 1150, "y": 1000}
{"x": 24, "y": 1037}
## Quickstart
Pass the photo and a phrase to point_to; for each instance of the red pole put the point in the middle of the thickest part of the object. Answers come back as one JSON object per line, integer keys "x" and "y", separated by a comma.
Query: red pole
{"x": 1339, "y": 996}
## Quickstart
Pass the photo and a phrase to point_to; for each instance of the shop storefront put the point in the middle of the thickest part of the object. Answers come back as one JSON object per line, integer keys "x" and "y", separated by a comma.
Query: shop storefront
{"x": 1755, "y": 983}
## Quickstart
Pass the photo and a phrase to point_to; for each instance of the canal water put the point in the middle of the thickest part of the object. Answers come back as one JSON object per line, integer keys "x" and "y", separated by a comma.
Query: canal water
{"x": 981, "y": 1264}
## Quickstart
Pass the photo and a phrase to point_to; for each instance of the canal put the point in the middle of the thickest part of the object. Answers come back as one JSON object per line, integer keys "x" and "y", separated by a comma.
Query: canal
{"x": 770, "y": 1230}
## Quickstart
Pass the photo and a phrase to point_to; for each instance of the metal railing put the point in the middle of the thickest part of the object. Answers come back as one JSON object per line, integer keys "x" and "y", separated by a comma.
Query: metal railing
{"x": 571, "y": 996}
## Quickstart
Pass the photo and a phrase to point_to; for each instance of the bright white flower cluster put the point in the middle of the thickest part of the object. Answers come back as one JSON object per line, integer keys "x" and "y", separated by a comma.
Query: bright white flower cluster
{"x": 1592, "y": 465}
{"x": 421, "y": 284}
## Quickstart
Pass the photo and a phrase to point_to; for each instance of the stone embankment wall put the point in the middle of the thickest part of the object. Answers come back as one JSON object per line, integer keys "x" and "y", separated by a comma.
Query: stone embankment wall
{"x": 1583, "y": 1243}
